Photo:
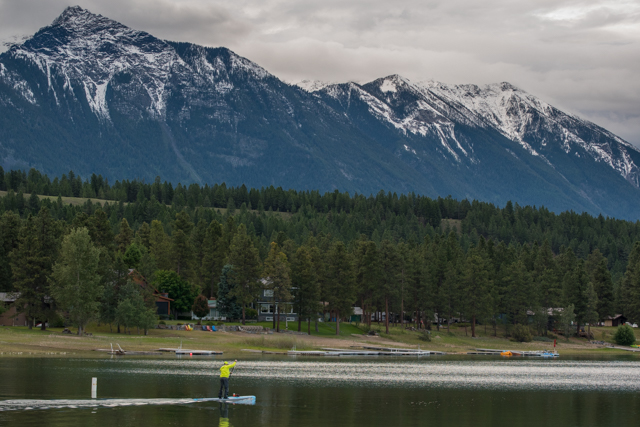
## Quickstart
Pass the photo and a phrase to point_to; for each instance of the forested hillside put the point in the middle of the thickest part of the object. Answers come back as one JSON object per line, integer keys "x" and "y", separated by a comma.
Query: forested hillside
{"x": 385, "y": 252}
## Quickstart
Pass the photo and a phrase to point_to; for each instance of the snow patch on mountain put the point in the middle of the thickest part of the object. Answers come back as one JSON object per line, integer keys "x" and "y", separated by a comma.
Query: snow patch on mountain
{"x": 18, "y": 84}
{"x": 312, "y": 85}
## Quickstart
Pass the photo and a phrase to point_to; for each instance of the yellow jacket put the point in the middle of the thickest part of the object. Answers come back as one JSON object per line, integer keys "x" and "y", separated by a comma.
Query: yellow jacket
{"x": 224, "y": 370}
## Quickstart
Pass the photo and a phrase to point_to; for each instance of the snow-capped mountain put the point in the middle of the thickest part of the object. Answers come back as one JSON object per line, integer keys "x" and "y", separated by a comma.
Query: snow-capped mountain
{"x": 92, "y": 95}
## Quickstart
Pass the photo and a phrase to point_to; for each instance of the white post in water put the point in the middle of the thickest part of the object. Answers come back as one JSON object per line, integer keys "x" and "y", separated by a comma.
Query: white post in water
{"x": 94, "y": 388}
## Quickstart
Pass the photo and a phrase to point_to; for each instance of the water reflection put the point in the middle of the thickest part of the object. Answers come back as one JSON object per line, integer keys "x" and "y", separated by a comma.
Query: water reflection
{"x": 224, "y": 415}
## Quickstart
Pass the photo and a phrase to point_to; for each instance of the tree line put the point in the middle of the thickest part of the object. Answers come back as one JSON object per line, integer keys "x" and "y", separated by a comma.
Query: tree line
{"x": 412, "y": 258}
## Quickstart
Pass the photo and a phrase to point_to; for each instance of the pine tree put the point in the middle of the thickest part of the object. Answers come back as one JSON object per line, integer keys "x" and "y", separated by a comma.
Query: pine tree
{"x": 390, "y": 269}
{"x": 76, "y": 283}
{"x": 630, "y": 286}
{"x": 213, "y": 257}
{"x": 32, "y": 263}
{"x": 125, "y": 236}
{"x": 246, "y": 269}
{"x": 9, "y": 237}
{"x": 227, "y": 304}
{"x": 476, "y": 288}
{"x": 181, "y": 249}
{"x": 340, "y": 287}
{"x": 599, "y": 275}
{"x": 277, "y": 273}
{"x": 144, "y": 234}
{"x": 159, "y": 245}
{"x": 367, "y": 270}
{"x": 304, "y": 281}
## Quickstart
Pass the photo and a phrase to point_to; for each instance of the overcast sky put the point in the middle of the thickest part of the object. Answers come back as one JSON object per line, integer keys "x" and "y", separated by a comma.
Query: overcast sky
{"x": 582, "y": 56}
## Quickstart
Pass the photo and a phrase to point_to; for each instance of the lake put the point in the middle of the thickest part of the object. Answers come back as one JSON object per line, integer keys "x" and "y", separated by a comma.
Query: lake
{"x": 438, "y": 391}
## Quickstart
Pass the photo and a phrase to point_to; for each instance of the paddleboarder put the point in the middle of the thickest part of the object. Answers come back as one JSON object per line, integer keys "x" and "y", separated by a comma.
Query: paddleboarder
{"x": 224, "y": 378}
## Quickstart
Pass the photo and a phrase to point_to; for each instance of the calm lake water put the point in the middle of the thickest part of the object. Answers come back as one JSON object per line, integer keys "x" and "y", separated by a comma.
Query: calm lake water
{"x": 432, "y": 391}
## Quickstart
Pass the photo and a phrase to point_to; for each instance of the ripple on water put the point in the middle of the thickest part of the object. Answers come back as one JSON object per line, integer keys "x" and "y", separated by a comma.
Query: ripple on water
{"x": 531, "y": 375}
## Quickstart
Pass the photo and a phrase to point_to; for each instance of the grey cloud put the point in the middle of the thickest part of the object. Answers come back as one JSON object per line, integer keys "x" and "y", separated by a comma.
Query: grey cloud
{"x": 580, "y": 55}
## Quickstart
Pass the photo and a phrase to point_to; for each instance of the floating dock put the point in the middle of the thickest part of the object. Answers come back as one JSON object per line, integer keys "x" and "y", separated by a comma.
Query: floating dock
{"x": 524, "y": 353}
{"x": 367, "y": 351}
{"x": 191, "y": 352}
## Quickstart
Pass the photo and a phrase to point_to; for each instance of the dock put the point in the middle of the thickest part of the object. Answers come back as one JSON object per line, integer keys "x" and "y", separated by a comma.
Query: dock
{"x": 524, "y": 353}
{"x": 187, "y": 351}
{"x": 121, "y": 352}
{"x": 366, "y": 351}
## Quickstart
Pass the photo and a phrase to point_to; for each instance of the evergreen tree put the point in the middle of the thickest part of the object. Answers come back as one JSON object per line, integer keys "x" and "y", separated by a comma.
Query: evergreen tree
{"x": 367, "y": 270}
{"x": 246, "y": 269}
{"x": 476, "y": 288}
{"x": 630, "y": 286}
{"x": 227, "y": 304}
{"x": 340, "y": 287}
{"x": 277, "y": 273}
{"x": 305, "y": 284}
{"x": 181, "y": 249}
{"x": 144, "y": 235}
{"x": 390, "y": 269}
{"x": 76, "y": 283}
{"x": 159, "y": 245}
{"x": 32, "y": 263}
{"x": 125, "y": 236}
{"x": 213, "y": 257}
{"x": 9, "y": 238}
{"x": 600, "y": 277}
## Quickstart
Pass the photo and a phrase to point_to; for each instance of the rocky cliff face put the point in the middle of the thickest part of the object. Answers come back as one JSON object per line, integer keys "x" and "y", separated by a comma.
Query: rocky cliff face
{"x": 90, "y": 94}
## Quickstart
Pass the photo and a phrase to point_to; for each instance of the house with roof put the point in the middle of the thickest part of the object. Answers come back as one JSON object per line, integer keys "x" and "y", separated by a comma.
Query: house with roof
{"x": 163, "y": 302}
{"x": 11, "y": 317}
{"x": 616, "y": 320}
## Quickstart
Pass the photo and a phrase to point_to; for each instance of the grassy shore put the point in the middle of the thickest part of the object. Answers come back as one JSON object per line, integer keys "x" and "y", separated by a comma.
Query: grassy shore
{"x": 23, "y": 341}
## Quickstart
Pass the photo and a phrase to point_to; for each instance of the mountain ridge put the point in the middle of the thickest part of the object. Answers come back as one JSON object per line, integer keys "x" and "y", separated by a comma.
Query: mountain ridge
{"x": 87, "y": 86}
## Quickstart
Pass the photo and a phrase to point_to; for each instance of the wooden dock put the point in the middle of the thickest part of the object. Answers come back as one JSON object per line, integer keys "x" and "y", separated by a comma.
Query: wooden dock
{"x": 368, "y": 351}
{"x": 191, "y": 352}
{"x": 532, "y": 353}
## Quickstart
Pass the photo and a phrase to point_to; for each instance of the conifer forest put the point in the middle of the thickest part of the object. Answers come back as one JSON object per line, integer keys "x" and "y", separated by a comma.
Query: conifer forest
{"x": 399, "y": 257}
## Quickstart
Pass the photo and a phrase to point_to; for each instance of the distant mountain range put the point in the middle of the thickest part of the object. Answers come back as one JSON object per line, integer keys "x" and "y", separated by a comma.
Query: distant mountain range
{"x": 92, "y": 95}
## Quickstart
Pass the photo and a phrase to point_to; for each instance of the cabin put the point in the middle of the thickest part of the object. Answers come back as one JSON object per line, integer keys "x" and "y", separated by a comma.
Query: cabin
{"x": 11, "y": 317}
{"x": 266, "y": 307}
{"x": 163, "y": 302}
{"x": 616, "y": 320}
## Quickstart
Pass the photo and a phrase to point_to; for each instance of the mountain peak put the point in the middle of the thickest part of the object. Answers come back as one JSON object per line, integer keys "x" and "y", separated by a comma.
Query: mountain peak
{"x": 75, "y": 16}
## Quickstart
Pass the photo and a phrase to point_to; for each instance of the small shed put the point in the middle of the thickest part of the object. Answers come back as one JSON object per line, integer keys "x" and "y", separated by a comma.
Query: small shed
{"x": 11, "y": 317}
{"x": 616, "y": 320}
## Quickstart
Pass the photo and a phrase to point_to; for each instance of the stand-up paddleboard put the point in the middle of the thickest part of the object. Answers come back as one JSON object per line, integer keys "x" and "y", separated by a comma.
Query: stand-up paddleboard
{"x": 26, "y": 404}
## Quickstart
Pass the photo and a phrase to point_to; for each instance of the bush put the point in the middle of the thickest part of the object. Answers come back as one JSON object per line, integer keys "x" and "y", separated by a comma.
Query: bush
{"x": 250, "y": 313}
{"x": 624, "y": 335}
{"x": 552, "y": 336}
{"x": 521, "y": 333}
{"x": 162, "y": 322}
{"x": 461, "y": 325}
{"x": 543, "y": 339}
{"x": 425, "y": 336}
{"x": 56, "y": 321}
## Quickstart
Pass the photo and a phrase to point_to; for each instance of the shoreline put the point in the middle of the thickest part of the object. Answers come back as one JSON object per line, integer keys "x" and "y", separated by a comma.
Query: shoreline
{"x": 20, "y": 341}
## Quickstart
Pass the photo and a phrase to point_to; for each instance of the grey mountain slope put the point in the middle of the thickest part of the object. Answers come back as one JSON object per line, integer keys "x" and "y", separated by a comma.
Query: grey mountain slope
{"x": 89, "y": 94}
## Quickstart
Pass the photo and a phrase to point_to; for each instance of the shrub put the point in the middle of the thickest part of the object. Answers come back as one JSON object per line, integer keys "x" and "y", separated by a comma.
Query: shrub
{"x": 543, "y": 339}
{"x": 552, "y": 336}
{"x": 251, "y": 313}
{"x": 425, "y": 336}
{"x": 624, "y": 335}
{"x": 162, "y": 322}
{"x": 56, "y": 321}
{"x": 521, "y": 333}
